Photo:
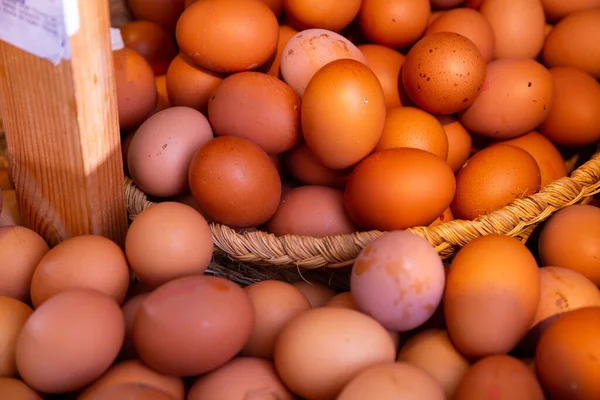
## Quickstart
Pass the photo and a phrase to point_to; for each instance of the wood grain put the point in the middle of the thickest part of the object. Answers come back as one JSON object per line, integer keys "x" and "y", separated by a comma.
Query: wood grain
{"x": 62, "y": 134}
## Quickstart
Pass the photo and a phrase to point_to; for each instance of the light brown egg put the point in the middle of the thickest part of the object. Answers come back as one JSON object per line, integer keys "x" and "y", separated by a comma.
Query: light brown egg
{"x": 69, "y": 341}
{"x": 275, "y": 303}
{"x": 10, "y": 215}
{"x": 459, "y": 141}
{"x": 573, "y": 119}
{"x": 492, "y": 294}
{"x": 469, "y": 23}
{"x": 321, "y": 350}
{"x": 285, "y": 34}
{"x": 323, "y": 14}
{"x": 555, "y": 10}
{"x": 131, "y": 391}
{"x": 571, "y": 239}
{"x": 515, "y": 98}
{"x": 130, "y": 308}
{"x": 163, "y": 12}
{"x": 414, "y": 128}
{"x": 190, "y": 85}
{"x": 87, "y": 261}
{"x": 433, "y": 351}
{"x": 492, "y": 178}
{"x": 13, "y": 314}
{"x": 167, "y": 241}
{"x": 20, "y": 251}
{"x": 386, "y": 63}
{"x": 307, "y": 169}
{"x": 316, "y": 293}
{"x": 12, "y": 388}
{"x": 152, "y": 42}
{"x": 431, "y": 84}
{"x": 162, "y": 97}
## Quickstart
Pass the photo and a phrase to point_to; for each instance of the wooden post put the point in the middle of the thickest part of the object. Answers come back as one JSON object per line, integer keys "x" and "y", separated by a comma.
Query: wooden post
{"x": 62, "y": 134}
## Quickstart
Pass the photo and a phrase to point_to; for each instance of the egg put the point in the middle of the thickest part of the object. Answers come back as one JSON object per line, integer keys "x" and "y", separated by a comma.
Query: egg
{"x": 469, "y": 23}
{"x": 435, "y": 87}
{"x": 130, "y": 390}
{"x": 162, "y": 96}
{"x": 394, "y": 24}
{"x": 10, "y": 215}
{"x": 275, "y": 5}
{"x": 515, "y": 98}
{"x": 13, "y": 314}
{"x": 309, "y": 50}
{"x": 166, "y": 241}
{"x": 163, "y": 12}
{"x": 574, "y": 42}
{"x": 499, "y": 377}
{"x": 433, "y": 351}
{"x": 130, "y": 308}
{"x": 251, "y": 39}
{"x": 285, "y": 34}
{"x": 241, "y": 378}
{"x": 492, "y": 294}
{"x": 576, "y": 93}
{"x": 324, "y": 14}
{"x": 389, "y": 381}
{"x": 316, "y": 293}
{"x": 306, "y": 168}
{"x": 408, "y": 187}
{"x": 190, "y": 85}
{"x": 16, "y": 389}
{"x": 571, "y": 239}
{"x": 414, "y": 128}
{"x": 445, "y": 3}
{"x": 459, "y": 141}
{"x": 85, "y": 261}
{"x": 275, "y": 303}
{"x": 555, "y": 10}
{"x": 168, "y": 336}
{"x": 258, "y": 107}
{"x": 398, "y": 279}
{"x": 235, "y": 182}
{"x": 69, "y": 341}
{"x": 152, "y": 42}
{"x": 321, "y": 350}
{"x": 386, "y": 63}
{"x": 445, "y": 217}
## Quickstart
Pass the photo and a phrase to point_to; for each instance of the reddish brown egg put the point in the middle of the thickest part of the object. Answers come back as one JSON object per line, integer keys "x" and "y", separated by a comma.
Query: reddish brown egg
{"x": 13, "y": 315}
{"x": 285, "y": 34}
{"x": 16, "y": 389}
{"x": 163, "y": 12}
{"x": 275, "y": 5}
{"x": 459, "y": 141}
{"x": 386, "y": 63}
{"x": 152, "y": 42}
{"x": 557, "y": 9}
{"x": 251, "y": 39}
{"x": 443, "y": 73}
{"x": 235, "y": 182}
{"x": 307, "y": 169}
{"x": 443, "y": 4}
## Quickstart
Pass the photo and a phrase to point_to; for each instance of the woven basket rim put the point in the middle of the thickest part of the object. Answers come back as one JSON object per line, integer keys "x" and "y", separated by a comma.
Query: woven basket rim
{"x": 516, "y": 219}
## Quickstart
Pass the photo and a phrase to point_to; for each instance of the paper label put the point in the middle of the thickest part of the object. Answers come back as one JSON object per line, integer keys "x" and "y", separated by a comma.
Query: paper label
{"x": 116, "y": 40}
{"x": 40, "y": 27}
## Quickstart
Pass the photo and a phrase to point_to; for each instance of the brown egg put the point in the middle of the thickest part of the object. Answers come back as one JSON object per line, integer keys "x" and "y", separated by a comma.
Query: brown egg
{"x": 241, "y": 378}
{"x": 391, "y": 381}
{"x": 321, "y": 350}
{"x": 251, "y": 39}
{"x": 474, "y": 4}
{"x": 394, "y": 24}
{"x": 130, "y": 308}
{"x": 167, "y": 241}
{"x": 499, "y": 377}
{"x": 235, "y": 182}
{"x": 130, "y": 390}
{"x": 566, "y": 360}
{"x": 275, "y": 5}
{"x": 445, "y": 217}
{"x": 134, "y": 371}
{"x": 275, "y": 303}
{"x": 257, "y": 107}
{"x": 445, "y": 3}
{"x": 571, "y": 239}
{"x": 414, "y": 128}
{"x": 515, "y": 98}
{"x": 322, "y": 14}
{"x": 5, "y": 179}
{"x": 518, "y": 27}
{"x": 309, "y": 50}
{"x": 10, "y": 215}
{"x": 492, "y": 178}
{"x": 469, "y": 23}
{"x": 13, "y": 315}
{"x": 547, "y": 29}
{"x": 307, "y": 169}
{"x": 192, "y": 325}
{"x": 459, "y": 141}
{"x": 189, "y": 85}
{"x": 162, "y": 97}
{"x": 435, "y": 87}
{"x": 285, "y": 34}
{"x": 152, "y": 42}
{"x": 163, "y": 12}
{"x": 555, "y": 10}
{"x": 161, "y": 150}
{"x": 69, "y": 341}
{"x": 20, "y": 251}
{"x": 432, "y": 351}
{"x": 408, "y": 187}
{"x": 12, "y": 388}
{"x": 435, "y": 15}
{"x": 87, "y": 261}
{"x": 311, "y": 211}
{"x": 574, "y": 42}
{"x": 136, "y": 89}
{"x": 316, "y": 293}
{"x": 489, "y": 309}
{"x": 386, "y": 63}
{"x": 573, "y": 119}
{"x": 549, "y": 160}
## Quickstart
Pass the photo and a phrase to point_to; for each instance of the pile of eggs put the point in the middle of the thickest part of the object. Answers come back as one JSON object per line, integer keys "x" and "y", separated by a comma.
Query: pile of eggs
{"x": 321, "y": 118}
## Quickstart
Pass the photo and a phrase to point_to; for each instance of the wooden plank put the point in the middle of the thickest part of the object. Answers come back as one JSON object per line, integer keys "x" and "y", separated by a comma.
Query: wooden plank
{"x": 62, "y": 134}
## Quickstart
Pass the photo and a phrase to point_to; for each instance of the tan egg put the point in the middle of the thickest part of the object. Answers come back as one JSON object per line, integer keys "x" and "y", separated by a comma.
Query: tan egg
{"x": 433, "y": 352}
{"x": 20, "y": 251}
{"x": 459, "y": 141}
{"x": 285, "y": 34}
{"x": 87, "y": 261}
{"x": 557, "y": 9}
{"x": 135, "y": 371}
{"x": 445, "y": 217}
{"x": 162, "y": 96}
{"x": 316, "y": 293}
{"x": 10, "y": 216}
{"x": 306, "y": 168}
{"x": 16, "y": 389}
{"x": 130, "y": 390}
{"x": 414, "y": 128}
{"x": 323, "y": 14}
{"x": 275, "y": 303}
{"x": 13, "y": 315}
{"x": 386, "y": 63}
{"x": 130, "y": 308}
